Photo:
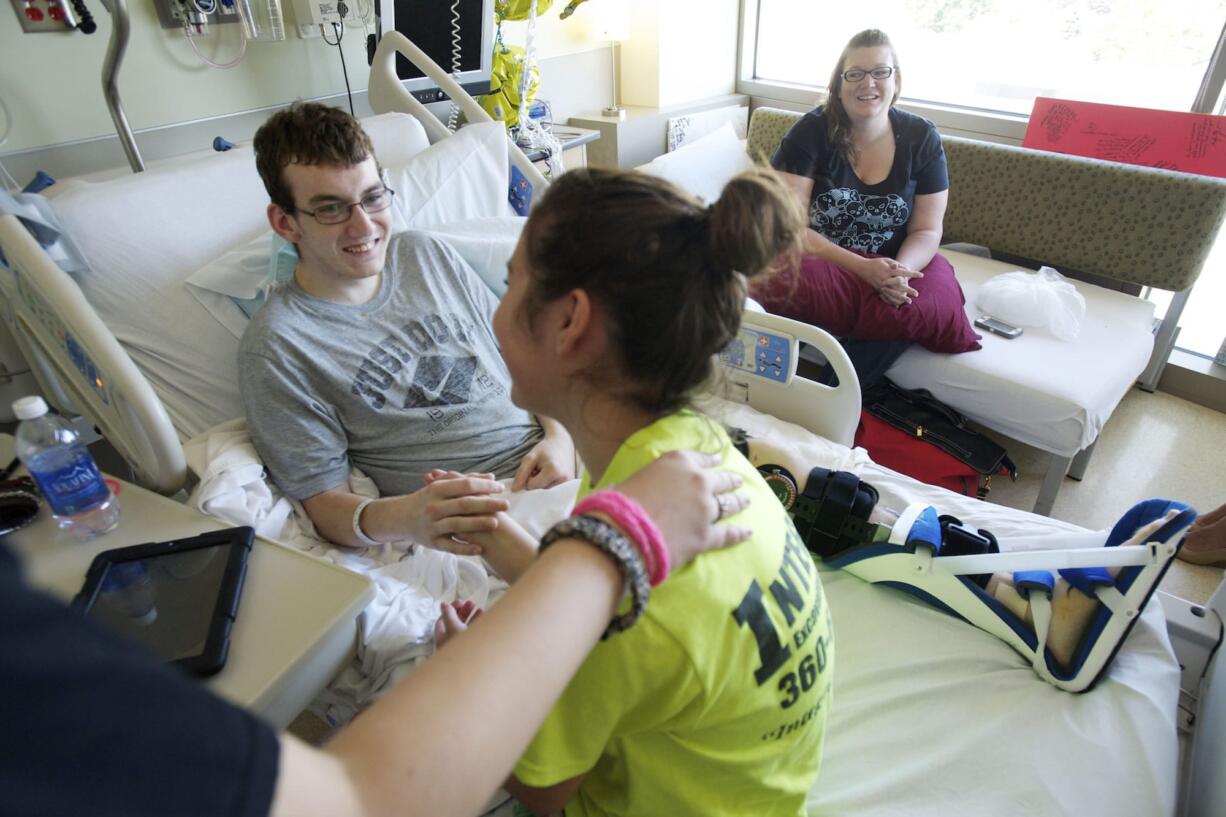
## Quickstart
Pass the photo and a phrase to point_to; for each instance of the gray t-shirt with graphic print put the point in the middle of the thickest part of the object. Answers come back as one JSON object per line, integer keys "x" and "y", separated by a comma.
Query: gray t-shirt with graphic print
{"x": 410, "y": 381}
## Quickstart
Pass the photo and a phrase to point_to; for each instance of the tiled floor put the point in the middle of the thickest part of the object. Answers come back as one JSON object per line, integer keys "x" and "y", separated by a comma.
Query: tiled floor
{"x": 1155, "y": 445}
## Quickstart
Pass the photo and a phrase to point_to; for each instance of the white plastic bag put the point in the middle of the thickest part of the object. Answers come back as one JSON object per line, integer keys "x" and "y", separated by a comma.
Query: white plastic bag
{"x": 1040, "y": 300}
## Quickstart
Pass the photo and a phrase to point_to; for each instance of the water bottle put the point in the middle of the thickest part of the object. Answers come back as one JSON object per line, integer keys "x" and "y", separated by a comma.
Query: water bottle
{"x": 64, "y": 470}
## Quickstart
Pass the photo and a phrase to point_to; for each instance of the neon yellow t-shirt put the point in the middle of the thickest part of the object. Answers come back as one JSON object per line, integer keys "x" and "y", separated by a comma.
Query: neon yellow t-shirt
{"x": 714, "y": 702}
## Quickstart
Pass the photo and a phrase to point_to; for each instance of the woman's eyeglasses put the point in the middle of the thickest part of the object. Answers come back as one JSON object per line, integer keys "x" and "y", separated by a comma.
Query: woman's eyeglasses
{"x": 857, "y": 74}
{"x": 339, "y": 212}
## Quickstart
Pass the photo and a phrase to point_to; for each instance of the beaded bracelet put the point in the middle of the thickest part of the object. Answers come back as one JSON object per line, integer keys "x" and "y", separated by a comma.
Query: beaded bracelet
{"x": 630, "y": 517}
{"x": 609, "y": 540}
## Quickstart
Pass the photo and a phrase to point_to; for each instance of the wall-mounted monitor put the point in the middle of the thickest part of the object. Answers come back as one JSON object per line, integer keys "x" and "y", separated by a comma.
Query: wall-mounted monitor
{"x": 457, "y": 34}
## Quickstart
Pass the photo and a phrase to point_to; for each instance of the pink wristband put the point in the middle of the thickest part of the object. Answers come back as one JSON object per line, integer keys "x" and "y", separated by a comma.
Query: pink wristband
{"x": 630, "y": 517}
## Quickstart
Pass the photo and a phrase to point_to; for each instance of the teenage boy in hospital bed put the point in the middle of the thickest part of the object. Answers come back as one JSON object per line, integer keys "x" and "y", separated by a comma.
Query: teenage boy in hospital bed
{"x": 378, "y": 354}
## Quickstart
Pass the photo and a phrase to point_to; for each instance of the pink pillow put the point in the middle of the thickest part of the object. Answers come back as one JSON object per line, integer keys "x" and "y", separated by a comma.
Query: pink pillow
{"x": 838, "y": 301}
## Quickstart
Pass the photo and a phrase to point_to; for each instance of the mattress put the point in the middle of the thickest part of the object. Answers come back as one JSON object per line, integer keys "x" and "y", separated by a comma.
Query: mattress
{"x": 1055, "y": 395}
{"x": 931, "y": 716}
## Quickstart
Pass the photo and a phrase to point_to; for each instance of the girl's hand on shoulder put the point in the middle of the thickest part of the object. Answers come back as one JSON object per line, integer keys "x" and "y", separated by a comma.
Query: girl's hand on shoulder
{"x": 687, "y": 497}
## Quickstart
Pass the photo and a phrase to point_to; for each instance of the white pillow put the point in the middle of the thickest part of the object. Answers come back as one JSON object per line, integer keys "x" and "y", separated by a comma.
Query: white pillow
{"x": 234, "y": 285}
{"x": 456, "y": 181}
{"x": 486, "y": 244}
{"x": 703, "y": 167}
{"x": 459, "y": 178}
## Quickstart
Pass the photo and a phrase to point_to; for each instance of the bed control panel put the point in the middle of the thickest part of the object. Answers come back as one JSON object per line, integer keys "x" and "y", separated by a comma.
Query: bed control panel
{"x": 765, "y": 354}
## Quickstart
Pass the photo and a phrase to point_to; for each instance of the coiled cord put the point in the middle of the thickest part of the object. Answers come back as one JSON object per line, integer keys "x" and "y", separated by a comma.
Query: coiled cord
{"x": 453, "y": 116}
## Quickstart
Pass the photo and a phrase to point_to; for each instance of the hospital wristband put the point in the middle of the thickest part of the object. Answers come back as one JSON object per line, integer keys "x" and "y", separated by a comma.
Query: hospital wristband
{"x": 613, "y": 543}
{"x": 357, "y": 524}
{"x": 630, "y": 517}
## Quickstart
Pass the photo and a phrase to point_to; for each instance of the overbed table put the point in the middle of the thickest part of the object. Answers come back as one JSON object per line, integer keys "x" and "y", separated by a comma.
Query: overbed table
{"x": 296, "y": 624}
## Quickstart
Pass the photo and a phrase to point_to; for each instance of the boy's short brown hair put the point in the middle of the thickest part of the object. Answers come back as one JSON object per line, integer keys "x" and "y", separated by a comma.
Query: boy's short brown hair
{"x": 306, "y": 133}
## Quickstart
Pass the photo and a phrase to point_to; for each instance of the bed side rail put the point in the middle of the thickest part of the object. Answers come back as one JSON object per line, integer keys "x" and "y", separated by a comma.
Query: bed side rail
{"x": 386, "y": 93}
{"x": 80, "y": 365}
{"x": 759, "y": 368}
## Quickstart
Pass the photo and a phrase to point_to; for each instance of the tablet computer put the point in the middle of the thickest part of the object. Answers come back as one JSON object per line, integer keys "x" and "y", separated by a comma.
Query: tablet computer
{"x": 178, "y": 598}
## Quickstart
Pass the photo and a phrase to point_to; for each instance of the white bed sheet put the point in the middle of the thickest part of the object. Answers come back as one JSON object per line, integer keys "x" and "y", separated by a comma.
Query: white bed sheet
{"x": 181, "y": 215}
{"x": 933, "y": 717}
{"x": 1037, "y": 389}
{"x": 930, "y": 716}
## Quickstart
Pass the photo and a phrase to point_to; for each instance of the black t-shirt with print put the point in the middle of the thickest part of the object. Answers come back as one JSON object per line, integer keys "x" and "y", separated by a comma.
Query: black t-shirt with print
{"x": 866, "y": 217}
{"x": 96, "y": 725}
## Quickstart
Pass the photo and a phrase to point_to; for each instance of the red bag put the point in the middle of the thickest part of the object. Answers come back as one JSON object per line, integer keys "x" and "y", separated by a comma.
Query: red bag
{"x": 913, "y": 456}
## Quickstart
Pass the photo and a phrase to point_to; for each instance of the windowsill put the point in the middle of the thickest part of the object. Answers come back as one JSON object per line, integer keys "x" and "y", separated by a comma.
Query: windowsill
{"x": 960, "y": 121}
{"x": 1195, "y": 378}
{"x": 1198, "y": 363}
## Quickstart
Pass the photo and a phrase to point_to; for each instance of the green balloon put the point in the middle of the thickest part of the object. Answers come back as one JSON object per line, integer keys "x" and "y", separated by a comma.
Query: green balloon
{"x": 502, "y": 102}
{"x": 574, "y": 4}
{"x": 519, "y": 9}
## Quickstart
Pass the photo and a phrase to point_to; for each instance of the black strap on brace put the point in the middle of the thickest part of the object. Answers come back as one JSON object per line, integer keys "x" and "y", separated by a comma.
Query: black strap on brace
{"x": 831, "y": 514}
{"x": 958, "y": 540}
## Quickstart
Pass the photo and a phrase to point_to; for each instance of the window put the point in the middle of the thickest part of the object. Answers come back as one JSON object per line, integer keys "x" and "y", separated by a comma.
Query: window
{"x": 975, "y": 67}
{"x": 998, "y": 55}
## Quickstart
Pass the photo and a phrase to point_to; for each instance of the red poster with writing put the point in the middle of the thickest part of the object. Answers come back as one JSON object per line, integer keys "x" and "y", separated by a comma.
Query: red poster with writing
{"x": 1191, "y": 142}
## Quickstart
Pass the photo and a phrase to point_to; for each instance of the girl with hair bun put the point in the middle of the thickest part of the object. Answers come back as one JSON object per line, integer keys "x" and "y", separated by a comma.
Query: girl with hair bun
{"x": 620, "y": 293}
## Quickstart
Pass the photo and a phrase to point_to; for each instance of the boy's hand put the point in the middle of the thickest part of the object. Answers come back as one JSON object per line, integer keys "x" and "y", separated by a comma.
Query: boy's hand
{"x": 549, "y": 463}
{"x": 453, "y": 620}
{"x": 452, "y": 505}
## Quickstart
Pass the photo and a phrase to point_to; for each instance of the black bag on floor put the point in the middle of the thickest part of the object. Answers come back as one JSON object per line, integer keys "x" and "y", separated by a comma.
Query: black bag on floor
{"x": 929, "y": 421}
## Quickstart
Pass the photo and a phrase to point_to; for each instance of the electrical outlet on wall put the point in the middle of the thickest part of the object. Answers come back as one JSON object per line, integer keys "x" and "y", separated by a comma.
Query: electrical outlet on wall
{"x": 311, "y": 14}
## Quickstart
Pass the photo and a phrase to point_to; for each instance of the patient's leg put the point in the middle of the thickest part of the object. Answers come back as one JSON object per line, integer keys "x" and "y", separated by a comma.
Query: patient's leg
{"x": 798, "y": 458}
{"x": 1072, "y": 611}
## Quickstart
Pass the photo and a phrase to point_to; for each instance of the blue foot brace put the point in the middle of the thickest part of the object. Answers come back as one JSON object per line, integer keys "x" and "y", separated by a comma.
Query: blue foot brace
{"x": 938, "y": 560}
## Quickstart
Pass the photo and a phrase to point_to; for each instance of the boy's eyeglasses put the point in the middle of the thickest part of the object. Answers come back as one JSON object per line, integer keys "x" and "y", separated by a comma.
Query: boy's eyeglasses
{"x": 340, "y": 212}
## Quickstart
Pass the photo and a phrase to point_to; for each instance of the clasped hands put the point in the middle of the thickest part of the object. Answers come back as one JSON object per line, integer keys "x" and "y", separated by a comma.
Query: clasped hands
{"x": 454, "y": 508}
{"x": 889, "y": 278}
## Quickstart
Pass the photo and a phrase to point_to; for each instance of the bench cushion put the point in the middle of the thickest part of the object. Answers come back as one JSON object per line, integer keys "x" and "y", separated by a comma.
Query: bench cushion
{"x": 1055, "y": 395}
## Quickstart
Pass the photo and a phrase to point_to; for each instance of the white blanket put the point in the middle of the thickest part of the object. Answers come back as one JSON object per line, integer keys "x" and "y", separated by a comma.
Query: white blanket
{"x": 930, "y": 717}
{"x": 396, "y": 630}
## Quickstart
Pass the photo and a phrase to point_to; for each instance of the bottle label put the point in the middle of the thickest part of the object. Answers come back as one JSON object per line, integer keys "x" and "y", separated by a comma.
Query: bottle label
{"x": 69, "y": 480}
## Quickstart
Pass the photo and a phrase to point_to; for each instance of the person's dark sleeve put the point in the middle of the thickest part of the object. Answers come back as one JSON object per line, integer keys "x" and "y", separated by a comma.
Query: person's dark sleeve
{"x": 931, "y": 175}
{"x": 95, "y": 725}
{"x": 802, "y": 147}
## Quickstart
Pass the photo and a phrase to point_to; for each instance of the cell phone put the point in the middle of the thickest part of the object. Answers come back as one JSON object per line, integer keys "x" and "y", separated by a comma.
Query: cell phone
{"x": 997, "y": 327}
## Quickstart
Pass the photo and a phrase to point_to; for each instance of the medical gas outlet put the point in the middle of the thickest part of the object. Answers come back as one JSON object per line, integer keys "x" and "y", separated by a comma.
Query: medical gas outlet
{"x": 195, "y": 15}
{"x": 38, "y": 16}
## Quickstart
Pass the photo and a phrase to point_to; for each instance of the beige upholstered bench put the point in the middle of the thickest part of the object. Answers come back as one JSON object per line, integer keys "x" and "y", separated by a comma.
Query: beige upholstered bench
{"x": 1119, "y": 227}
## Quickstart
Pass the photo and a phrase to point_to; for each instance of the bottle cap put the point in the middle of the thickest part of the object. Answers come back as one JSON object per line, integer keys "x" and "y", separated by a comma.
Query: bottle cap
{"x": 27, "y": 408}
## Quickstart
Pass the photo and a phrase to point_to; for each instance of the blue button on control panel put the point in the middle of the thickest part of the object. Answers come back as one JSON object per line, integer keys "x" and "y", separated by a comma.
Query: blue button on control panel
{"x": 762, "y": 353}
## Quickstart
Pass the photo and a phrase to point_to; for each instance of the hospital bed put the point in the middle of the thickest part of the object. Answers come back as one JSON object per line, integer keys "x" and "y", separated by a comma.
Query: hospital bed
{"x": 930, "y": 716}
